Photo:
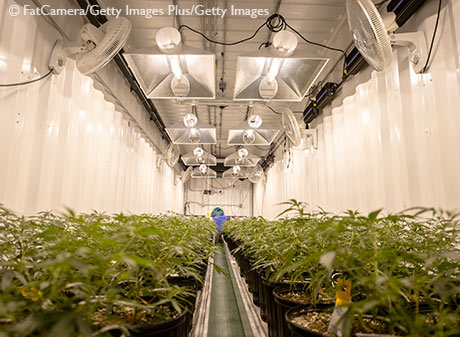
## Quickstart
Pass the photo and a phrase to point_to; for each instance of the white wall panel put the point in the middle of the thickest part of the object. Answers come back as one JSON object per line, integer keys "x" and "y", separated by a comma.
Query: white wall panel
{"x": 235, "y": 197}
{"x": 390, "y": 140}
{"x": 62, "y": 143}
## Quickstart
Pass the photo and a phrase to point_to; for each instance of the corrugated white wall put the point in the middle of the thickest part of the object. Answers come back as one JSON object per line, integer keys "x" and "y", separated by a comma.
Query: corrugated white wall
{"x": 234, "y": 197}
{"x": 390, "y": 140}
{"x": 62, "y": 143}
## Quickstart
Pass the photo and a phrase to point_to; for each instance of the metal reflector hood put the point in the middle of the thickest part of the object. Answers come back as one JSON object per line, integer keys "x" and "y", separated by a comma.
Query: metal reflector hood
{"x": 179, "y": 134}
{"x": 296, "y": 75}
{"x": 263, "y": 135}
{"x": 249, "y": 161}
{"x": 191, "y": 160}
{"x": 229, "y": 174}
{"x": 210, "y": 173}
{"x": 151, "y": 68}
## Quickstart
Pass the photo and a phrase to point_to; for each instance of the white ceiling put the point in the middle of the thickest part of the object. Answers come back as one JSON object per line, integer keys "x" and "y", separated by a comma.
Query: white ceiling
{"x": 319, "y": 20}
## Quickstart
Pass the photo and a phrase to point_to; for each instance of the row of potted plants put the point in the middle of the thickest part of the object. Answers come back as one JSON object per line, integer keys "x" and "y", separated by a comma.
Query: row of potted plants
{"x": 401, "y": 272}
{"x": 98, "y": 274}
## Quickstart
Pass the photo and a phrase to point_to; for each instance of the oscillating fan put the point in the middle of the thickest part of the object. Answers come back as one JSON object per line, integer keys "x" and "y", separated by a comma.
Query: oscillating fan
{"x": 172, "y": 155}
{"x": 373, "y": 36}
{"x": 291, "y": 126}
{"x": 186, "y": 175}
{"x": 98, "y": 46}
{"x": 256, "y": 175}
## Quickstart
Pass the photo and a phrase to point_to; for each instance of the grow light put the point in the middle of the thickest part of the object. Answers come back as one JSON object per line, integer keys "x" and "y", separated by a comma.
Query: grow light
{"x": 201, "y": 133}
{"x": 243, "y": 134}
{"x": 190, "y": 159}
{"x": 172, "y": 69}
{"x": 198, "y": 174}
{"x": 278, "y": 73}
{"x": 235, "y": 173}
{"x": 249, "y": 160}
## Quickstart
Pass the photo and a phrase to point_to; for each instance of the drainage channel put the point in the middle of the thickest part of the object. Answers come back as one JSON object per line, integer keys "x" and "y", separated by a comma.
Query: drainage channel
{"x": 226, "y": 308}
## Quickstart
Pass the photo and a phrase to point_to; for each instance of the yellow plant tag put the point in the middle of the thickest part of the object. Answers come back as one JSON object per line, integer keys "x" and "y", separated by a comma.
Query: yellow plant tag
{"x": 343, "y": 295}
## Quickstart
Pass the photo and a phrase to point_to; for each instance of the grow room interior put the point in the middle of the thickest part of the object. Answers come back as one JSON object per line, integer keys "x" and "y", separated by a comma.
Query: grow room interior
{"x": 206, "y": 168}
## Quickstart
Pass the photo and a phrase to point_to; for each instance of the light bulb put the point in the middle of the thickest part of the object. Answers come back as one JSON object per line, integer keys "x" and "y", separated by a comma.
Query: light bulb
{"x": 198, "y": 152}
{"x": 180, "y": 87}
{"x": 190, "y": 120}
{"x": 255, "y": 121}
{"x": 236, "y": 170}
{"x": 285, "y": 42}
{"x": 168, "y": 38}
{"x": 200, "y": 160}
{"x": 194, "y": 135}
{"x": 243, "y": 152}
{"x": 176, "y": 69}
{"x": 274, "y": 68}
{"x": 249, "y": 137}
{"x": 239, "y": 160}
{"x": 268, "y": 88}
{"x": 203, "y": 169}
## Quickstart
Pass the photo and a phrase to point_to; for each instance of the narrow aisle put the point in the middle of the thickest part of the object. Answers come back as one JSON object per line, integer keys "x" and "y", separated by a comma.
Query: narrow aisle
{"x": 224, "y": 317}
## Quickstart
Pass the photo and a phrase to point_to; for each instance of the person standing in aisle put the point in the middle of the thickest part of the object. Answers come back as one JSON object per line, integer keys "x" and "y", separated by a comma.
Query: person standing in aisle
{"x": 219, "y": 218}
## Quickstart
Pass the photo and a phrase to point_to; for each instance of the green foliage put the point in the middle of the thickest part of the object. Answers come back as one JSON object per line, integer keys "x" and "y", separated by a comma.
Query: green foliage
{"x": 404, "y": 266}
{"x": 56, "y": 272}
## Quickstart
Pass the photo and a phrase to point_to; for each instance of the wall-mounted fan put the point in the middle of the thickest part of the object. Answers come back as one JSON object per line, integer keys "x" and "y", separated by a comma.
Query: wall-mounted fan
{"x": 98, "y": 46}
{"x": 172, "y": 155}
{"x": 373, "y": 36}
{"x": 291, "y": 126}
{"x": 256, "y": 174}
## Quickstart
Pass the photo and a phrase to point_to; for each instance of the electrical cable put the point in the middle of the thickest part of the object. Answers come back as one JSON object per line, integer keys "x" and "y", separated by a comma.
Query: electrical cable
{"x": 425, "y": 68}
{"x": 265, "y": 44}
{"x": 223, "y": 43}
{"x": 27, "y": 82}
{"x": 315, "y": 43}
{"x": 275, "y": 23}
{"x": 272, "y": 110}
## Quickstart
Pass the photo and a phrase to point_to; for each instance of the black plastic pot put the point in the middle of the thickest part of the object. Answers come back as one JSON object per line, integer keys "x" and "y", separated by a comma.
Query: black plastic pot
{"x": 301, "y": 331}
{"x": 260, "y": 292}
{"x": 256, "y": 284}
{"x": 269, "y": 305}
{"x": 283, "y": 305}
{"x": 173, "y": 328}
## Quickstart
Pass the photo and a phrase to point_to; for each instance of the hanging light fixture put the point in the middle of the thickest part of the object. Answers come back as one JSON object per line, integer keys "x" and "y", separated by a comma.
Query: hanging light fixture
{"x": 198, "y": 157}
{"x": 251, "y": 132}
{"x": 243, "y": 152}
{"x": 198, "y": 151}
{"x": 235, "y": 172}
{"x": 190, "y": 120}
{"x": 191, "y": 130}
{"x": 255, "y": 121}
{"x": 172, "y": 69}
{"x": 279, "y": 73}
{"x": 203, "y": 171}
{"x": 241, "y": 158}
